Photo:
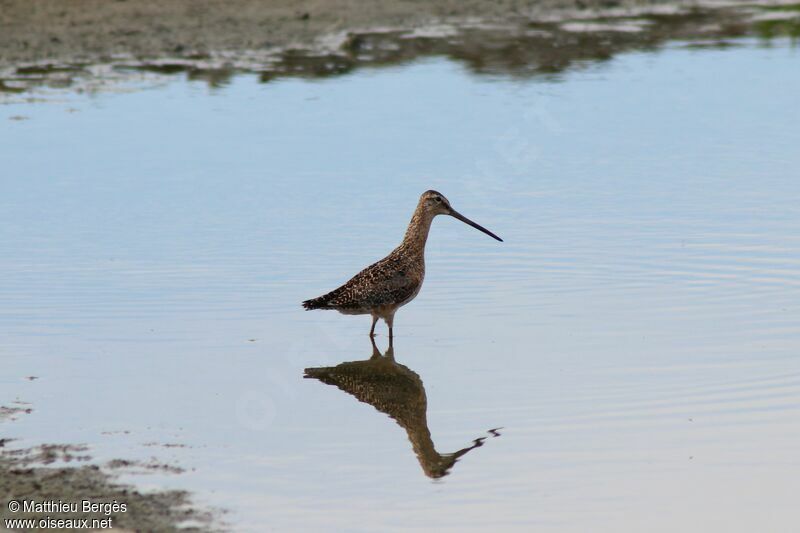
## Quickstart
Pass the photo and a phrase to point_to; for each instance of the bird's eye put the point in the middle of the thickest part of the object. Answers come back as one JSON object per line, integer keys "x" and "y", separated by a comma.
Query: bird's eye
{"x": 437, "y": 199}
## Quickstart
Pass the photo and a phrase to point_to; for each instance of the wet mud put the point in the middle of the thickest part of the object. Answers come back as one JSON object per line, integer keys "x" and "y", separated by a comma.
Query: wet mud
{"x": 50, "y": 48}
{"x": 66, "y": 473}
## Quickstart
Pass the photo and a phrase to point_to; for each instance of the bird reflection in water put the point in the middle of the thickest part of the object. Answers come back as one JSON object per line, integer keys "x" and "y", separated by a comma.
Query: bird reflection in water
{"x": 397, "y": 391}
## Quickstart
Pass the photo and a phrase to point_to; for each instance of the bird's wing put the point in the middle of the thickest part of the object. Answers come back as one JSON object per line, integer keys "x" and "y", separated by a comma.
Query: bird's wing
{"x": 386, "y": 282}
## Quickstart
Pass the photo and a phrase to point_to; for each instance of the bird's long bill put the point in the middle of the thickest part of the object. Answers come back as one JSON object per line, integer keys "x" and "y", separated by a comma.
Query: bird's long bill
{"x": 465, "y": 220}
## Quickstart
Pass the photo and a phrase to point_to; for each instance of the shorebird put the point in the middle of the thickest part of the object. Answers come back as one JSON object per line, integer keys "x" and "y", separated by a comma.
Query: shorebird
{"x": 383, "y": 287}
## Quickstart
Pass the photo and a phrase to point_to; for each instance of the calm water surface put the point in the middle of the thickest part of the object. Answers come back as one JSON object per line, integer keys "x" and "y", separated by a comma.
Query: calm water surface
{"x": 636, "y": 336}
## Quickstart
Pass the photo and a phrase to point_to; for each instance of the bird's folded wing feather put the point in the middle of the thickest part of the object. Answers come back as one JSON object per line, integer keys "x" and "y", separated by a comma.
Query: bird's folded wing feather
{"x": 384, "y": 283}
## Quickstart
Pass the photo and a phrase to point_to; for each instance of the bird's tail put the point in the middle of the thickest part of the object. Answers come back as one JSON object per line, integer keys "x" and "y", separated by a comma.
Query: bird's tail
{"x": 316, "y": 303}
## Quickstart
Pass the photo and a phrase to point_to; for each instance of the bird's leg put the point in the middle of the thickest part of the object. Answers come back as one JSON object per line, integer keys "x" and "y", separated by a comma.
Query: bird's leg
{"x": 372, "y": 330}
{"x": 375, "y": 352}
{"x": 389, "y": 352}
{"x": 389, "y": 322}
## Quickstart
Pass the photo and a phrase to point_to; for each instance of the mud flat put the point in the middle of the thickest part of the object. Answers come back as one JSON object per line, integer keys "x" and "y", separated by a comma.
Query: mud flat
{"x": 94, "y": 43}
{"x": 62, "y": 472}
{"x": 91, "y": 30}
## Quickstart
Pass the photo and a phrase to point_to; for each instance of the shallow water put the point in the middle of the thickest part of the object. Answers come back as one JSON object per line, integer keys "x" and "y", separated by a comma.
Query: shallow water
{"x": 635, "y": 336}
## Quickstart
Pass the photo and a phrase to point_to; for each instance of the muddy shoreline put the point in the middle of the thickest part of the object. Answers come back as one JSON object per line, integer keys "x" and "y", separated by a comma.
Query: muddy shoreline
{"x": 96, "y": 30}
{"x": 66, "y": 473}
{"x": 44, "y": 46}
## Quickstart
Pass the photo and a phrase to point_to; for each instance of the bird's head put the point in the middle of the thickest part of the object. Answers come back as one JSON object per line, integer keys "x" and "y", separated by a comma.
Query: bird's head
{"x": 434, "y": 203}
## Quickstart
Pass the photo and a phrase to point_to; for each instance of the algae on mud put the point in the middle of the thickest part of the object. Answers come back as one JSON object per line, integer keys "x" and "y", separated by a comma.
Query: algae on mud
{"x": 43, "y": 474}
{"x": 538, "y": 39}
